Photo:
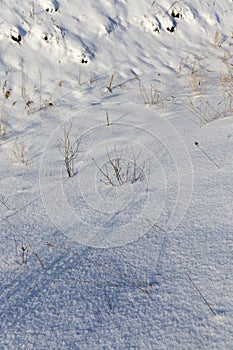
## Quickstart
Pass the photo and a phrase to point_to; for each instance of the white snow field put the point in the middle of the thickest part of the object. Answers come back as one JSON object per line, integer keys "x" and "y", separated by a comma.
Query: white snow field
{"x": 116, "y": 177}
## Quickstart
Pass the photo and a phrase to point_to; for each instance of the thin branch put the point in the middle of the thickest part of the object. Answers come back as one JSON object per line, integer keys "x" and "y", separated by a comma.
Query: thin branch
{"x": 198, "y": 290}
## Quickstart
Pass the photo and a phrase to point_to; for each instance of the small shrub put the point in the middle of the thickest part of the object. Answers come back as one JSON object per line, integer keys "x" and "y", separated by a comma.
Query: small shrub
{"x": 117, "y": 170}
{"x": 69, "y": 149}
{"x": 150, "y": 96}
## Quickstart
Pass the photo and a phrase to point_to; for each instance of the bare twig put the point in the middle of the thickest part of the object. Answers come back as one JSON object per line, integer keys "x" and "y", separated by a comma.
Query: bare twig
{"x": 109, "y": 87}
{"x": 37, "y": 256}
{"x": 24, "y": 253}
{"x": 117, "y": 171}
{"x": 198, "y": 290}
{"x": 3, "y": 119}
{"x": 107, "y": 117}
{"x": 3, "y": 201}
{"x": 69, "y": 150}
{"x": 197, "y": 144}
{"x": 24, "y": 246}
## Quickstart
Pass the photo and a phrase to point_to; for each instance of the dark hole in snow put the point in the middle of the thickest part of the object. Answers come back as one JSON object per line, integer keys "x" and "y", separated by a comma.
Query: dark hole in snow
{"x": 171, "y": 30}
{"x": 83, "y": 60}
{"x": 176, "y": 15}
{"x": 46, "y": 37}
{"x": 17, "y": 39}
{"x": 54, "y": 7}
{"x": 156, "y": 29}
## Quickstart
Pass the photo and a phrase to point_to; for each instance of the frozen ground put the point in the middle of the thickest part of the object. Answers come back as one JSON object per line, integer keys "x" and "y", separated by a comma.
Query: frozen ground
{"x": 134, "y": 250}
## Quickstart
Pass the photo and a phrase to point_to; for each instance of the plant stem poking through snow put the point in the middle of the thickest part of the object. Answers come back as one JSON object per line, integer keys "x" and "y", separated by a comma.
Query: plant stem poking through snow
{"x": 197, "y": 144}
{"x": 3, "y": 201}
{"x": 107, "y": 117}
{"x": 3, "y": 118}
{"x": 24, "y": 253}
{"x": 198, "y": 290}
{"x": 117, "y": 171}
{"x": 150, "y": 96}
{"x": 24, "y": 247}
{"x": 109, "y": 87}
{"x": 69, "y": 150}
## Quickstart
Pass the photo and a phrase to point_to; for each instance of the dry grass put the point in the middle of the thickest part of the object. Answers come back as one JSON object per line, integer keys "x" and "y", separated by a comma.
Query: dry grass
{"x": 198, "y": 77}
{"x": 150, "y": 95}
{"x": 19, "y": 151}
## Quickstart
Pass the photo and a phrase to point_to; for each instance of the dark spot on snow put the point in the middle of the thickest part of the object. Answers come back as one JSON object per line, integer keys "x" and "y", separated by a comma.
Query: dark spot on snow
{"x": 46, "y": 37}
{"x": 17, "y": 39}
{"x": 171, "y": 30}
{"x": 83, "y": 60}
{"x": 176, "y": 14}
{"x": 155, "y": 28}
{"x": 196, "y": 143}
{"x": 29, "y": 103}
{"x": 55, "y": 7}
{"x": 7, "y": 94}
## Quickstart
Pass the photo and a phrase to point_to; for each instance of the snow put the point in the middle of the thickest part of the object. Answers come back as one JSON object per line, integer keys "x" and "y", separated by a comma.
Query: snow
{"x": 94, "y": 261}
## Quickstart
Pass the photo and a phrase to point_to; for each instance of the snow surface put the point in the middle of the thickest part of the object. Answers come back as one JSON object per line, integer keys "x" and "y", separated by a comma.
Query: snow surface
{"x": 146, "y": 264}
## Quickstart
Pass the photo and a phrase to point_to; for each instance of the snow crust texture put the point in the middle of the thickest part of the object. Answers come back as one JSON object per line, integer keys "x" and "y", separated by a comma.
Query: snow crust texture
{"x": 116, "y": 195}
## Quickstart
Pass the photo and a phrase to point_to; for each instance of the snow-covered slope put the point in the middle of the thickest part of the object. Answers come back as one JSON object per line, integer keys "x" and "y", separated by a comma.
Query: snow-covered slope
{"x": 134, "y": 249}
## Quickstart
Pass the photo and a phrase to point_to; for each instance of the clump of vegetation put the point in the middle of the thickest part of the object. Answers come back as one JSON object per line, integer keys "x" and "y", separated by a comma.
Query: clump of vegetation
{"x": 150, "y": 95}
{"x": 117, "y": 170}
{"x": 69, "y": 149}
{"x": 19, "y": 151}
